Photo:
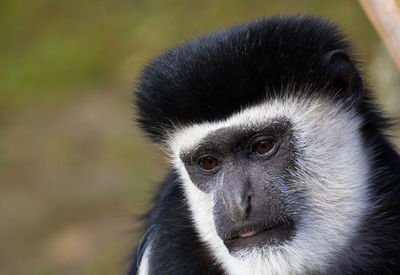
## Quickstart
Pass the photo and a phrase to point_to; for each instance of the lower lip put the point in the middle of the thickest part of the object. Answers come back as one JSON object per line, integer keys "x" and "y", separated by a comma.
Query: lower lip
{"x": 271, "y": 236}
{"x": 248, "y": 234}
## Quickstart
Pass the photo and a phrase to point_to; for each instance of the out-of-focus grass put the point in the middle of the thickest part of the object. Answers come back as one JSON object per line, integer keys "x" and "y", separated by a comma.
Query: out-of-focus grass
{"x": 74, "y": 171}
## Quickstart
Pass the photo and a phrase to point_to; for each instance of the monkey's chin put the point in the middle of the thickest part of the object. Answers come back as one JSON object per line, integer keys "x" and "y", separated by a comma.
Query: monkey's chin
{"x": 261, "y": 237}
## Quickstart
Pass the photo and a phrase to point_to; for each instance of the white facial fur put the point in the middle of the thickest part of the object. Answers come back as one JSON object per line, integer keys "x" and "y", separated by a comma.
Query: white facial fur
{"x": 333, "y": 169}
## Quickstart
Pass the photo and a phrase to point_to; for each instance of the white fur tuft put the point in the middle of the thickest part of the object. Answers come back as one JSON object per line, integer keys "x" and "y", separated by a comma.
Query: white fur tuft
{"x": 143, "y": 268}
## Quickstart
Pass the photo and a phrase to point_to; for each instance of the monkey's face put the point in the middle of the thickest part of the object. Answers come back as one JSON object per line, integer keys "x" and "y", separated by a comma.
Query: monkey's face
{"x": 247, "y": 174}
{"x": 284, "y": 179}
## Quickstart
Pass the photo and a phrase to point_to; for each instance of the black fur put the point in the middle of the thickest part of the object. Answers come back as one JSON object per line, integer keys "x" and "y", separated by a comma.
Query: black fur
{"x": 215, "y": 76}
{"x": 178, "y": 248}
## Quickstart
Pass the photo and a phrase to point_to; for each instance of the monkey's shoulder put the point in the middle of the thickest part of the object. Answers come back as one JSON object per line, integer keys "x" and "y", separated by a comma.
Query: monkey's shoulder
{"x": 174, "y": 245}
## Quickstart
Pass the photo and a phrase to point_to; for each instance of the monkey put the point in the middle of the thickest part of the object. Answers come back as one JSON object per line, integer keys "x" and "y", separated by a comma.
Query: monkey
{"x": 280, "y": 161}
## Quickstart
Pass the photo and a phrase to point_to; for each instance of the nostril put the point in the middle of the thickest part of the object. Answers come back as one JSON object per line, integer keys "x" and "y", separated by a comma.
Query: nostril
{"x": 248, "y": 203}
{"x": 249, "y": 195}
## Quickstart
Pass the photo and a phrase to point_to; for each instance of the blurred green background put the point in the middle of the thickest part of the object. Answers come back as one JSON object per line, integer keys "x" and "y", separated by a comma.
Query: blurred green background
{"x": 75, "y": 172}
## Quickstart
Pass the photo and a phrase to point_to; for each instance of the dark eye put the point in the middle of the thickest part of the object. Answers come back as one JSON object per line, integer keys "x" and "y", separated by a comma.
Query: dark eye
{"x": 208, "y": 163}
{"x": 263, "y": 147}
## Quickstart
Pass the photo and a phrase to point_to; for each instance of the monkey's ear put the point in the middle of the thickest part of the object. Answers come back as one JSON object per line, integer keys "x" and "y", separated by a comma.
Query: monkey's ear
{"x": 343, "y": 75}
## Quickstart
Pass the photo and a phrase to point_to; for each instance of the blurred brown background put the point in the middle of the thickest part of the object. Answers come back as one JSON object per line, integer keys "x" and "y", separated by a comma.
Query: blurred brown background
{"x": 75, "y": 172}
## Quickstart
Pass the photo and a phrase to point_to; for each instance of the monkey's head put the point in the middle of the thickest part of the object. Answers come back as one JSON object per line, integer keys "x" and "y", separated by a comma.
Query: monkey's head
{"x": 263, "y": 123}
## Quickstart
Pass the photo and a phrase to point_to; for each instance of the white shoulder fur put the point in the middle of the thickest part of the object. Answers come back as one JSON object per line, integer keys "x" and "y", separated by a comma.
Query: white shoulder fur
{"x": 143, "y": 268}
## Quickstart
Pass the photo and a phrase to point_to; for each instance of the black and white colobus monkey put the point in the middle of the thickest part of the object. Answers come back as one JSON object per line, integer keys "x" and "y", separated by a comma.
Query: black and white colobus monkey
{"x": 280, "y": 162}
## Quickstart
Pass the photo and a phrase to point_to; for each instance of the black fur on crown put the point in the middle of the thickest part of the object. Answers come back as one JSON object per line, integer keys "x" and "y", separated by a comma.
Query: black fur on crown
{"x": 216, "y": 75}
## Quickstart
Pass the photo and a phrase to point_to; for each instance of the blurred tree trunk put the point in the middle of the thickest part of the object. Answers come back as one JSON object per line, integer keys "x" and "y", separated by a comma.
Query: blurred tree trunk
{"x": 385, "y": 16}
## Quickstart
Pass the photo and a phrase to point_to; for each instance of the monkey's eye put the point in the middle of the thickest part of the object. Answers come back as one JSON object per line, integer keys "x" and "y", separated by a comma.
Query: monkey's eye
{"x": 208, "y": 163}
{"x": 263, "y": 147}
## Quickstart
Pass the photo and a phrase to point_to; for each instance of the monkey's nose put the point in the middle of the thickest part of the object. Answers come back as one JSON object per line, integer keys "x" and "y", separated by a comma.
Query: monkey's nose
{"x": 237, "y": 202}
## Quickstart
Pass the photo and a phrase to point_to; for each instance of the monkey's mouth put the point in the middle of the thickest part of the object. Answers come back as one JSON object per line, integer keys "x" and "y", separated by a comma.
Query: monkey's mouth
{"x": 259, "y": 235}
